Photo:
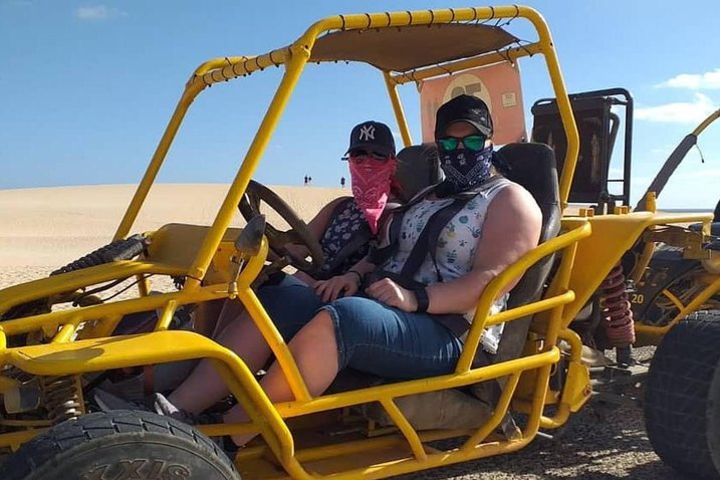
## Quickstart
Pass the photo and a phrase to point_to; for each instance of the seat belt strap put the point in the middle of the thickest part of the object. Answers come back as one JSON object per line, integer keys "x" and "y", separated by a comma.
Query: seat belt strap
{"x": 428, "y": 238}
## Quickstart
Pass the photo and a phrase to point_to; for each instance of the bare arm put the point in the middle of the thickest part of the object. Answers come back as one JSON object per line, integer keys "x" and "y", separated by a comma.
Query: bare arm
{"x": 317, "y": 227}
{"x": 511, "y": 229}
{"x": 320, "y": 222}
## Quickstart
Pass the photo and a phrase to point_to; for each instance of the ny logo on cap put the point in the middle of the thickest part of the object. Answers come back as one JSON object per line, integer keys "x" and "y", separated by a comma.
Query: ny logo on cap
{"x": 367, "y": 132}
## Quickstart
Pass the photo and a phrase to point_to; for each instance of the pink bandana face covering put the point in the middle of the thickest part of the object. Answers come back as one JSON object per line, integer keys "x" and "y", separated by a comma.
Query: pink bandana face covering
{"x": 371, "y": 186}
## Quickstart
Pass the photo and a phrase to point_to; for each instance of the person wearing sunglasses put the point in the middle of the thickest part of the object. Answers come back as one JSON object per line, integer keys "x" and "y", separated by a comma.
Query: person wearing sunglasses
{"x": 450, "y": 243}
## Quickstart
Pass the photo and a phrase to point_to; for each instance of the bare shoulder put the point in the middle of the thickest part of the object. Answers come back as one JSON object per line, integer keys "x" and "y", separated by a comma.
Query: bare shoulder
{"x": 514, "y": 202}
{"x": 330, "y": 207}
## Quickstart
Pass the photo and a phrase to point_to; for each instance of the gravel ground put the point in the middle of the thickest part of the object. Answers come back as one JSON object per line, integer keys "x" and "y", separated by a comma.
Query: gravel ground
{"x": 591, "y": 447}
{"x": 595, "y": 445}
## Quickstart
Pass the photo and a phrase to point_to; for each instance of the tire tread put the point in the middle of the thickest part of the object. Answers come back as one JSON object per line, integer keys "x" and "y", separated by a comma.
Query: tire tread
{"x": 678, "y": 391}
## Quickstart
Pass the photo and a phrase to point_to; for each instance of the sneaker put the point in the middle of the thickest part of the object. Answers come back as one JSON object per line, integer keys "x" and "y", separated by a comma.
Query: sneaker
{"x": 162, "y": 406}
{"x": 156, "y": 403}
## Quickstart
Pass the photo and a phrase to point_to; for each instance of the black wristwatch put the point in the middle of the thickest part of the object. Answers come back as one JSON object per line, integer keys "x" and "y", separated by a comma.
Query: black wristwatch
{"x": 423, "y": 301}
{"x": 359, "y": 275}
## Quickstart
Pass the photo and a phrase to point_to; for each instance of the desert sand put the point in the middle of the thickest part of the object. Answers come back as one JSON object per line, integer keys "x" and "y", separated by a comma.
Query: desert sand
{"x": 44, "y": 228}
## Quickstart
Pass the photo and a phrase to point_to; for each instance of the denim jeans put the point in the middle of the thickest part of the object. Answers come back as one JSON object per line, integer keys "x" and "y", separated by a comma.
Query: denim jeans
{"x": 371, "y": 337}
{"x": 291, "y": 304}
{"x": 389, "y": 342}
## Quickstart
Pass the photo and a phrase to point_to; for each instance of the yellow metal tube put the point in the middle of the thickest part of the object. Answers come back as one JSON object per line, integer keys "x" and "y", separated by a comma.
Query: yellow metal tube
{"x": 705, "y": 123}
{"x": 684, "y": 310}
{"x": 530, "y": 308}
{"x": 566, "y": 114}
{"x": 398, "y": 109}
{"x": 507, "y": 55}
{"x": 405, "y": 428}
{"x": 493, "y": 289}
{"x": 151, "y": 302}
{"x": 278, "y": 346}
{"x": 128, "y": 219}
{"x": 411, "y": 387}
{"x": 500, "y": 411}
{"x": 563, "y": 409}
{"x": 294, "y": 68}
{"x": 643, "y": 262}
{"x": 66, "y": 332}
{"x": 166, "y": 317}
{"x": 68, "y": 282}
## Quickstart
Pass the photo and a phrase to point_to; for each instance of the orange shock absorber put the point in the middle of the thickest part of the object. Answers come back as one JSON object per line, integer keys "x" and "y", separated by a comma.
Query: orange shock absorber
{"x": 617, "y": 315}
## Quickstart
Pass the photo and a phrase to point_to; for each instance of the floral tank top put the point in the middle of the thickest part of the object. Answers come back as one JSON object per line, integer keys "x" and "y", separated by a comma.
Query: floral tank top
{"x": 347, "y": 222}
{"x": 456, "y": 245}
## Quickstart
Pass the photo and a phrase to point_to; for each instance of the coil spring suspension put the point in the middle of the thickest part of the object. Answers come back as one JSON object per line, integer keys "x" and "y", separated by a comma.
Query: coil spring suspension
{"x": 617, "y": 315}
{"x": 63, "y": 397}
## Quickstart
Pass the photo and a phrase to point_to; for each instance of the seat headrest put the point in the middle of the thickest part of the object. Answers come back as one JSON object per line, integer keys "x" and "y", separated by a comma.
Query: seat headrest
{"x": 418, "y": 167}
{"x": 532, "y": 165}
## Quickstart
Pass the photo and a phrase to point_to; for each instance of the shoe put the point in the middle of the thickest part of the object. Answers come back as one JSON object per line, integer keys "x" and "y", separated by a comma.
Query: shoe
{"x": 156, "y": 403}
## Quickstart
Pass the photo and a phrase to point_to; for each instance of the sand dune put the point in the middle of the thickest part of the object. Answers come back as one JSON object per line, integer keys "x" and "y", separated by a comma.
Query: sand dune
{"x": 49, "y": 227}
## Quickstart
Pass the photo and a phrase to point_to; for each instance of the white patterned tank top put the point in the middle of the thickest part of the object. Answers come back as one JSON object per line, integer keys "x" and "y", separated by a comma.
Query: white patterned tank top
{"x": 456, "y": 244}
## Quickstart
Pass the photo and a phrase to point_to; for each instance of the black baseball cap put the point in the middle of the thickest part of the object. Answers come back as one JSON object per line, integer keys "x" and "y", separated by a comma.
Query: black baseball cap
{"x": 464, "y": 108}
{"x": 372, "y": 136}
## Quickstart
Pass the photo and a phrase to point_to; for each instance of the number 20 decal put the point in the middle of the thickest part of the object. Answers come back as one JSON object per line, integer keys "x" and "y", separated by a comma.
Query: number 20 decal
{"x": 637, "y": 298}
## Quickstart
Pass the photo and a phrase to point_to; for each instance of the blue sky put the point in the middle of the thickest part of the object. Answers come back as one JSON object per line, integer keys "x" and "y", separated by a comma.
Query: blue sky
{"x": 88, "y": 87}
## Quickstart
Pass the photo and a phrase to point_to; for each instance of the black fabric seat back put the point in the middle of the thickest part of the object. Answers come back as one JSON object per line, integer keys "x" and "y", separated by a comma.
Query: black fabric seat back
{"x": 531, "y": 165}
{"x": 418, "y": 167}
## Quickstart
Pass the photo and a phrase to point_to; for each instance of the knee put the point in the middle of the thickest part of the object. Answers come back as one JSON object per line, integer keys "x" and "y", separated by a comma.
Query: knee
{"x": 319, "y": 331}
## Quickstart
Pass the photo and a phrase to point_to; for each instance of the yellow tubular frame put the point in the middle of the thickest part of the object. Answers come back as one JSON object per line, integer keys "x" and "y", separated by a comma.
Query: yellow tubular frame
{"x": 66, "y": 357}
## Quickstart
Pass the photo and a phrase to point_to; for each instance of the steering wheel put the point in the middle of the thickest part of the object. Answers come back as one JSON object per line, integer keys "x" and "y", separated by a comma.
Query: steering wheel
{"x": 299, "y": 232}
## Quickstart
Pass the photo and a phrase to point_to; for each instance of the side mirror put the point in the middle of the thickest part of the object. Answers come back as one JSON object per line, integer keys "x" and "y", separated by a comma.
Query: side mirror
{"x": 247, "y": 244}
{"x": 249, "y": 241}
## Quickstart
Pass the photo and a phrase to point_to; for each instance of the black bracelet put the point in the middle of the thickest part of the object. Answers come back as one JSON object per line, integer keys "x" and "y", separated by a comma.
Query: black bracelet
{"x": 359, "y": 275}
{"x": 423, "y": 301}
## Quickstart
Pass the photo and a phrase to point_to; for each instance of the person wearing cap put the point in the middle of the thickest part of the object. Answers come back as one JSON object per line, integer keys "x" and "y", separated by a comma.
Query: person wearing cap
{"x": 403, "y": 332}
{"x": 292, "y": 300}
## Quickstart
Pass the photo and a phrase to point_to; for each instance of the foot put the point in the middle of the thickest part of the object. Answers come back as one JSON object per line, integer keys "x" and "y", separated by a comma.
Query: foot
{"x": 156, "y": 403}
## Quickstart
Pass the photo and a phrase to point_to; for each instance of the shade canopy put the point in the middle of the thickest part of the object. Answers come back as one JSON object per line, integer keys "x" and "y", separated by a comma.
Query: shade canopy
{"x": 401, "y": 49}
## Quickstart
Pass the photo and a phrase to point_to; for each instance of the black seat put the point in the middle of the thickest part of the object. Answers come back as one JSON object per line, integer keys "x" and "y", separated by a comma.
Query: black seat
{"x": 418, "y": 167}
{"x": 531, "y": 165}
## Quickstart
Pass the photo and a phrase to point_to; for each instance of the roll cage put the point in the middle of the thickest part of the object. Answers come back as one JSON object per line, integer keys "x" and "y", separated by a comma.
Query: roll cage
{"x": 195, "y": 252}
{"x": 328, "y": 40}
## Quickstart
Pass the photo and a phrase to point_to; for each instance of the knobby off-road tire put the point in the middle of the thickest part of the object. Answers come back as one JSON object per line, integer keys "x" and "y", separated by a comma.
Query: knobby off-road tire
{"x": 120, "y": 445}
{"x": 682, "y": 397}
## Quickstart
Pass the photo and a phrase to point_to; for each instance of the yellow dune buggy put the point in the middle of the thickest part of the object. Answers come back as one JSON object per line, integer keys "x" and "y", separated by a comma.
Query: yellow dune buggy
{"x": 58, "y": 334}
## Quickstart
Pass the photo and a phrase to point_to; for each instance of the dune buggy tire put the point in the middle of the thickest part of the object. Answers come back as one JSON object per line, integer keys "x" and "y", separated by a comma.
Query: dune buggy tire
{"x": 120, "y": 445}
{"x": 682, "y": 397}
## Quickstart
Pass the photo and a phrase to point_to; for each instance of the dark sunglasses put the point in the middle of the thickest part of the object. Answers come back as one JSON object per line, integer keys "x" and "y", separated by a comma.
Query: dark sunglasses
{"x": 359, "y": 156}
{"x": 473, "y": 142}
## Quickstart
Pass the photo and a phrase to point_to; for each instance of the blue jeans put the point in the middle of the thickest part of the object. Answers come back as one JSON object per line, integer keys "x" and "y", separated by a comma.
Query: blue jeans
{"x": 389, "y": 342}
{"x": 291, "y": 304}
{"x": 371, "y": 337}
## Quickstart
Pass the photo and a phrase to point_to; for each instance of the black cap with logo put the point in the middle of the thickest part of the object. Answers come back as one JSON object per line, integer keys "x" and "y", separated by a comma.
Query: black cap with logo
{"x": 372, "y": 136}
{"x": 464, "y": 108}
